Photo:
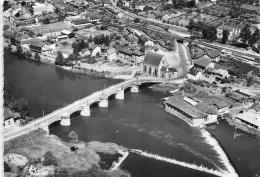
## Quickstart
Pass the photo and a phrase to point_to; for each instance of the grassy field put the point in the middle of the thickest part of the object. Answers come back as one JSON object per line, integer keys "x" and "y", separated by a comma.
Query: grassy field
{"x": 37, "y": 144}
{"x": 91, "y": 32}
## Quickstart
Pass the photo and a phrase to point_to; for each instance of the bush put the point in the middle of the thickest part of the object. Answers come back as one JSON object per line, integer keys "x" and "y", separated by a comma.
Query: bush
{"x": 49, "y": 159}
{"x": 6, "y": 167}
{"x": 64, "y": 43}
{"x": 73, "y": 137}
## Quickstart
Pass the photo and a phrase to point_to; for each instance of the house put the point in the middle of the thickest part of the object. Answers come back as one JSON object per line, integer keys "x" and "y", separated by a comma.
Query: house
{"x": 10, "y": 117}
{"x": 222, "y": 107}
{"x": 68, "y": 33}
{"x": 38, "y": 45}
{"x": 49, "y": 49}
{"x": 95, "y": 50}
{"x": 214, "y": 55}
{"x": 249, "y": 119}
{"x": 255, "y": 22}
{"x": 111, "y": 54}
{"x": 233, "y": 27}
{"x": 120, "y": 15}
{"x": 202, "y": 63}
{"x": 196, "y": 52}
{"x": 125, "y": 54}
{"x": 168, "y": 72}
{"x": 40, "y": 8}
{"x": 194, "y": 74}
{"x": 153, "y": 64}
{"x": 138, "y": 56}
{"x": 217, "y": 70}
{"x": 250, "y": 8}
{"x": 93, "y": 19}
{"x": 255, "y": 107}
{"x": 81, "y": 23}
{"x": 149, "y": 43}
{"x": 126, "y": 4}
{"x": 106, "y": 3}
{"x": 84, "y": 52}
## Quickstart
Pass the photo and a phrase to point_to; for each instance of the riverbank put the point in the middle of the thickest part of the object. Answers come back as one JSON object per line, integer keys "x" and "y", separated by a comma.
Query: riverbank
{"x": 97, "y": 70}
{"x": 37, "y": 143}
{"x": 164, "y": 87}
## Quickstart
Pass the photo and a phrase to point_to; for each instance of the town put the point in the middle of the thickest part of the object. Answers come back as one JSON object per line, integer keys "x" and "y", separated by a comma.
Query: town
{"x": 204, "y": 55}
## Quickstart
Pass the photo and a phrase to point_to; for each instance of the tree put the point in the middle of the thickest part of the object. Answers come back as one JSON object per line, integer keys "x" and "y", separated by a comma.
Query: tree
{"x": 225, "y": 34}
{"x": 46, "y": 21}
{"x": 49, "y": 159}
{"x": 254, "y": 38}
{"x": 59, "y": 59}
{"x": 37, "y": 56}
{"x": 73, "y": 137}
{"x": 57, "y": 10}
{"x": 19, "y": 49}
{"x": 245, "y": 33}
{"x": 9, "y": 47}
{"x": 29, "y": 53}
{"x": 191, "y": 25}
{"x": 137, "y": 20}
{"x": 23, "y": 3}
{"x": 71, "y": 57}
{"x": 6, "y": 167}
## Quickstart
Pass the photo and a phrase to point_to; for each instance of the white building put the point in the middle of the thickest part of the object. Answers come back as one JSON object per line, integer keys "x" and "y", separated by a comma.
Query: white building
{"x": 111, "y": 54}
{"x": 194, "y": 74}
{"x": 40, "y": 8}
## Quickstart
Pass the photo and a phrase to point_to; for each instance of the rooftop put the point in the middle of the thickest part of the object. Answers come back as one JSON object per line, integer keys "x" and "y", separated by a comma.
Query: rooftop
{"x": 153, "y": 58}
{"x": 256, "y": 107}
{"x": 251, "y": 117}
{"x": 214, "y": 53}
{"x": 179, "y": 103}
{"x": 81, "y": 21}
{"x": 203, "y": 62}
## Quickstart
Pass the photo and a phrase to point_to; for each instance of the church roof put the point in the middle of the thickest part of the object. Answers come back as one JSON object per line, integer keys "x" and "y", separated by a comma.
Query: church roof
{"x": 153, "y": 58}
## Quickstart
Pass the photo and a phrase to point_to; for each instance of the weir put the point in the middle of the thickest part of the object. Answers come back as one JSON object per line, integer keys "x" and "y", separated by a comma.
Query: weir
{"x": 125, "y": 154}
{"x": 221, "y": 173}
{"x": 222, "y": 155}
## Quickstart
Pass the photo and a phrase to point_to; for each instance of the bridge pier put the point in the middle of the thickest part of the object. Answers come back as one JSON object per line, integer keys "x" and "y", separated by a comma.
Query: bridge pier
{"x": 103, "y": 103}
{"x": 46, "y": 128}
{"x": 135, "y": 89}
{"x": 120, "y": 95}
{"x": 65, "y": 119}
{"x": 85, "y": 111}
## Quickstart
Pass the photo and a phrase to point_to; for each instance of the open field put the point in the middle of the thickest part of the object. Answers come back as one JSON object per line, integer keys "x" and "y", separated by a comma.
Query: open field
{"x": 85, "y": 33}
{"x": 37, "y": 144}
{"x": 183, "y": 20}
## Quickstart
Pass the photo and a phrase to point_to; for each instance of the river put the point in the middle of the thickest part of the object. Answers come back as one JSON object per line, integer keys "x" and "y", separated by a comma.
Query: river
{"x": 137, "y": 122}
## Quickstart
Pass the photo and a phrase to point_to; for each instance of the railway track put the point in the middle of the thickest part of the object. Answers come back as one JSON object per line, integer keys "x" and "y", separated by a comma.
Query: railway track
{"x": 245, "y": 56}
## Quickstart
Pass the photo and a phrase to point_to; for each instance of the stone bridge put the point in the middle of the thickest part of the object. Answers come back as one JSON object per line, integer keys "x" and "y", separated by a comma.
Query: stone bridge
{"x": 82, "y": 105}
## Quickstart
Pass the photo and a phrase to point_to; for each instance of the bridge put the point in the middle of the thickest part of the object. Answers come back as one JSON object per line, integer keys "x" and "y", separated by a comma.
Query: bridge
{"x": 82, "y": 105}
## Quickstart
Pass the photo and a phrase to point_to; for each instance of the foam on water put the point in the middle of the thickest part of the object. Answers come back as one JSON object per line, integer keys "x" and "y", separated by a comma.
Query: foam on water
{"x": 222, "y": 155}
{"x": 218, "y": 172}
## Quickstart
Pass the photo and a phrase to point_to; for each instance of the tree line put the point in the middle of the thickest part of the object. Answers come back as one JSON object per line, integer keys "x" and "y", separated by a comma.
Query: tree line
{"x": 20, "y": 106}
{"x": 248, "y": 36}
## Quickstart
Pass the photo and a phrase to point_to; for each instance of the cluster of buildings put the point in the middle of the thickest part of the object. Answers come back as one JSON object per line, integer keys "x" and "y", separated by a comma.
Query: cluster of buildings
{"x": 208, "y": 64}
